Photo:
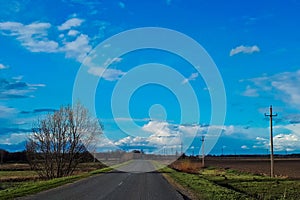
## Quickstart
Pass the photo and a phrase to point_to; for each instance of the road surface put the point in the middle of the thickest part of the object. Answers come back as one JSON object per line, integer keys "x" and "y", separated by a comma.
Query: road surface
{"x": 131, "y": 184}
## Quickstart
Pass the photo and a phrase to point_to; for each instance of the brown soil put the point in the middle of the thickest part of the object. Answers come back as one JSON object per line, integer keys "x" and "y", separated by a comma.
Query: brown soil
{"x": 284, "y": 167}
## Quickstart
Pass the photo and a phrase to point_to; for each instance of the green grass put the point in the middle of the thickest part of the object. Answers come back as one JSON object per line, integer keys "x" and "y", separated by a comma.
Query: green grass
{"x": 215, "y": 183}
{"x": 34, "y": 187}
{"x": 283, "y": 189}
{"x": 203, "y": 188}
{"x": 256, "y": 186}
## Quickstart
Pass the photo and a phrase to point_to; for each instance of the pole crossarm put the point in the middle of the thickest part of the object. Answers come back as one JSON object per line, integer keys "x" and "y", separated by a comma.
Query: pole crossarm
{"x": 271, "y": 115}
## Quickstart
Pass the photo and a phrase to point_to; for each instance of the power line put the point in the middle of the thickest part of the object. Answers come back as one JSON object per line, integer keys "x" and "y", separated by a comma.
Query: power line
{"x": 271, "y": 139}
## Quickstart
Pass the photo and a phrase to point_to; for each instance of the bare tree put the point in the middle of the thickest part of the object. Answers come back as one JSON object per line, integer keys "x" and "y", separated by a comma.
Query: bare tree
{"x": 59, "y": 142}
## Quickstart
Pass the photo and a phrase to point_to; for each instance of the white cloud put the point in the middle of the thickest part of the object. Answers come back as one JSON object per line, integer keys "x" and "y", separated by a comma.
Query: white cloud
{"x": 244, "y": 49}
{"x": 65, "y": 38}
{"x": 110, "y": 61}
{"x": 32, "y": 36}
{"x": 287, "y": 141}
{"x": 285, "y": 86}
{"x": 103, "y": 71}
{"x": 190, "y": 130}
{"x": 124, "y": 141}
{"x": 41, "y": 46}
{"x": 164, "y": 134}
{"x": 106, "y": 63}
{"x": 14, "y": 138}
{"x": 261, "y": 139}
{"x": 16, "y": 92}
{"x": 106, "y": 45}
{"x": 6, "y": 111}
{"x": 3, "y": 66}
{"x": 73, "y": 33}
{"x": 108, "y": 74}
{"x": 12, "y": 27}
{"x": 285, "y": 138}
{"x": 250, "y": 92}
{"x": 160, "y": 129}
{"x": 161, "y": 134}
{"x": 130, "y": 140}
{"x": 78, "y": 48}
{"x": 288, "y": 84}
{"x": 192, "y": 77}
{"x": 227, "y": 130}
{"x": 32, "y": 86}
{"x": 74, "y": 22}
{"x": 104, "y": 142}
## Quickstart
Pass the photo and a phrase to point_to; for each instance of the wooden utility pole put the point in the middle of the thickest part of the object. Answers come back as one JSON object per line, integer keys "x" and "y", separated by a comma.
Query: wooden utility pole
{"x": 203, "y": 154}
{"x": 271, "y": 139}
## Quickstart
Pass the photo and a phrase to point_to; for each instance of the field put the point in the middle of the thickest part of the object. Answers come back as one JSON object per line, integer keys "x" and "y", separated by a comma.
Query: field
{"x": 283, "y": 167}
{"x": 20, "y": 176}
{"x": 237, "y": 178}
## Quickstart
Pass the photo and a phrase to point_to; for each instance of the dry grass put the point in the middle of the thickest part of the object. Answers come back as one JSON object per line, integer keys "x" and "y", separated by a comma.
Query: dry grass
{"x": 12, "y": 175}
{"x": 186, "y": 165}
{"x": 17, "y": 176}
{"x": 14, "y": 167}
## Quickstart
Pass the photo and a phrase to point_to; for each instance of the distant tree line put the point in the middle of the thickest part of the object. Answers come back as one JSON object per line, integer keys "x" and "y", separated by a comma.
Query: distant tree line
{"x": 196, "y": 157}
{"x": 12, "y": 157}
{"x": 21, "y": 157}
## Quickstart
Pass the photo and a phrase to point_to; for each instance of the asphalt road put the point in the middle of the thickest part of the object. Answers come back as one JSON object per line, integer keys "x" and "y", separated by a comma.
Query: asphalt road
{"x": 133, "y": 183}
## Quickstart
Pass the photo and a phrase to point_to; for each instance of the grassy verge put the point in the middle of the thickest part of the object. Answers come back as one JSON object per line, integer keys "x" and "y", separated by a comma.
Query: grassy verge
{"x": 255, "y": 186}
{"x": 203, "y": 188}
{"x": 216, "y": 183}
{"x": 32, "y": 187}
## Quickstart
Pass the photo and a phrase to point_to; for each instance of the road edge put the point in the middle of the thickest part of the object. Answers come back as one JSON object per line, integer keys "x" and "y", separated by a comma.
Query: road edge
{"x": 186, "y": 193}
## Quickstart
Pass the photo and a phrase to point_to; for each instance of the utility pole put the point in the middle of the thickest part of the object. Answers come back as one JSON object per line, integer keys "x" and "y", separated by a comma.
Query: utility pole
{"x": 203, "y": 154}
{"x": 271, "y": 139}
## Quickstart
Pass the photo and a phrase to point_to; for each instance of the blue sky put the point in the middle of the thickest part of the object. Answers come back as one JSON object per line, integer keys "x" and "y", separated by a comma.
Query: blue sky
{"x": 254, "y": 44}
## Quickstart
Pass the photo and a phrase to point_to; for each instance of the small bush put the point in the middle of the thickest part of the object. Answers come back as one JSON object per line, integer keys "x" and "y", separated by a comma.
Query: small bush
{"x": 187, "y": 166}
